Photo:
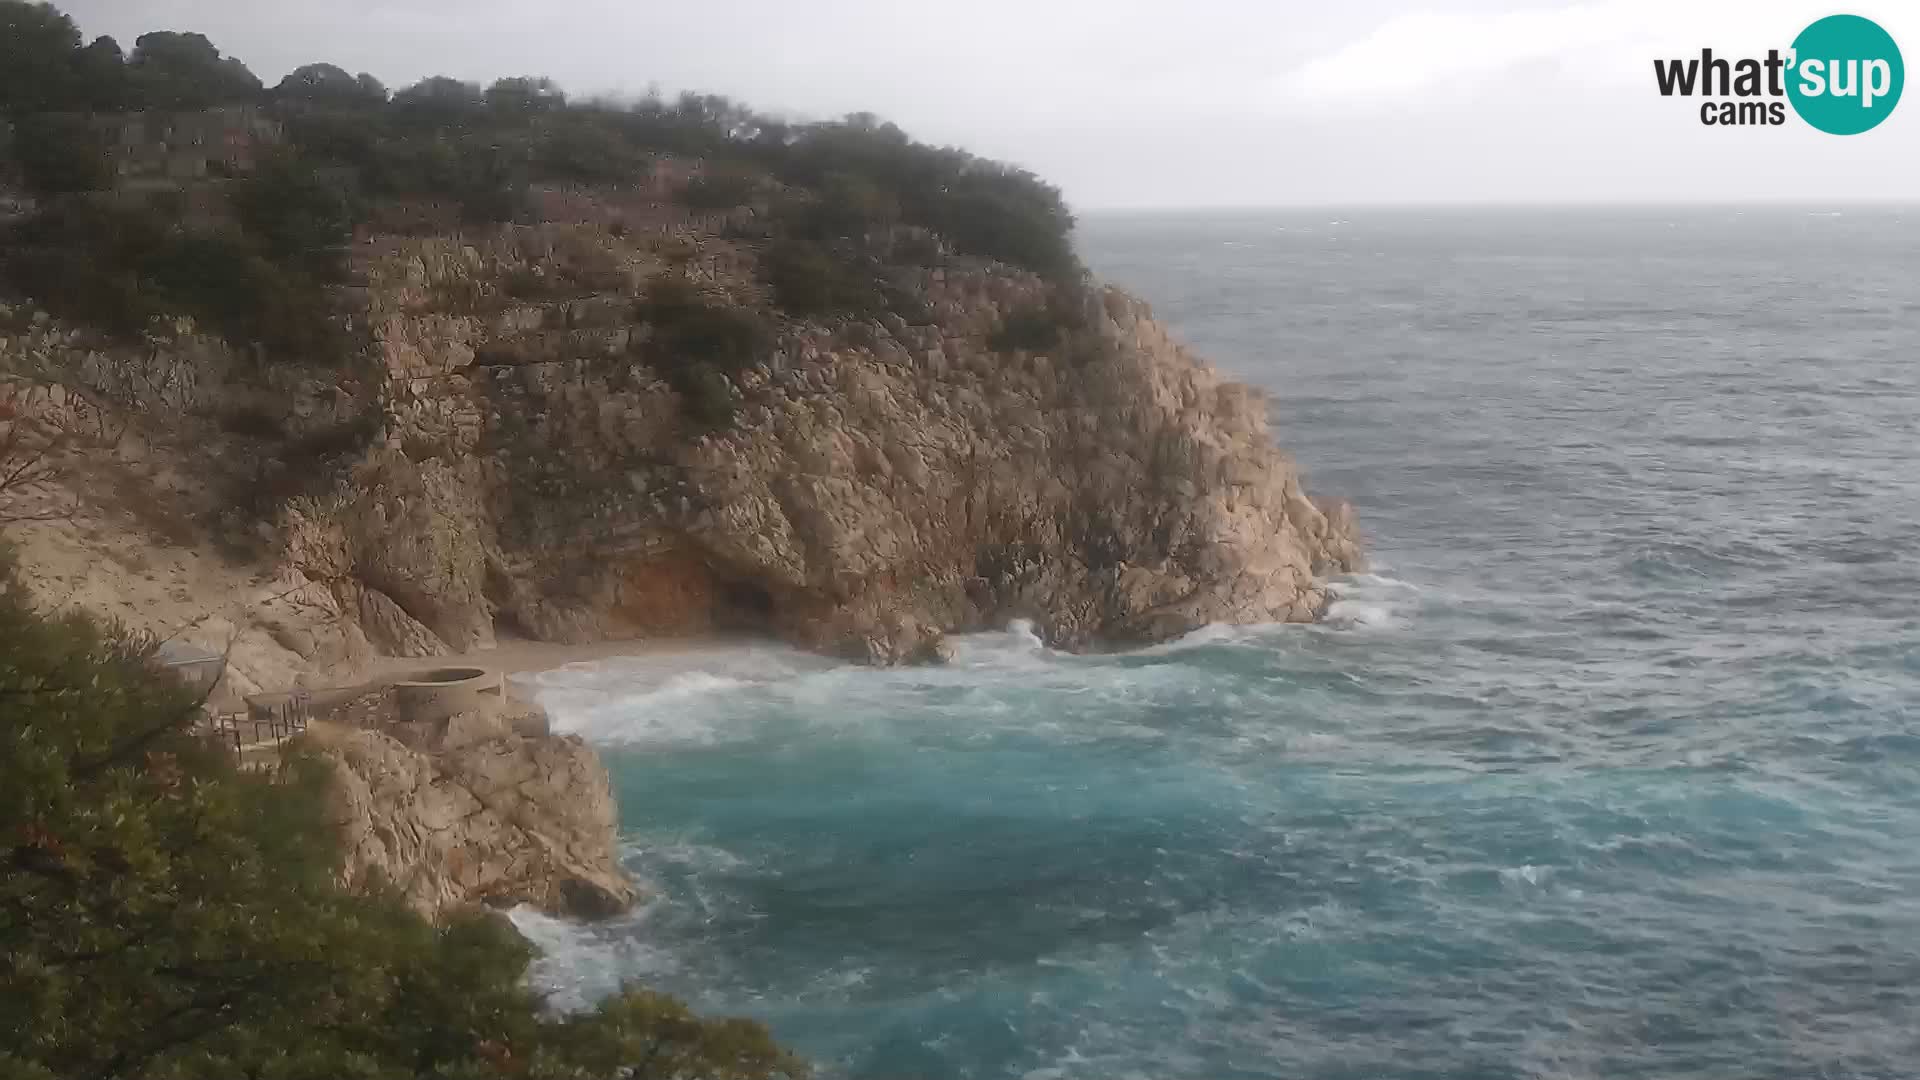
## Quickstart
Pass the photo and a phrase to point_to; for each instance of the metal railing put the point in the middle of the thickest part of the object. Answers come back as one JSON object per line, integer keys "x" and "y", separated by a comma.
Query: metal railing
{"x": 269, "y": 721}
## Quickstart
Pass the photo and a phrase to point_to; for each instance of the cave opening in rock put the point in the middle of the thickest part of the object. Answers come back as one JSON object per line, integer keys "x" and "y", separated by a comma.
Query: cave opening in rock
{"x": 743, "y": 607}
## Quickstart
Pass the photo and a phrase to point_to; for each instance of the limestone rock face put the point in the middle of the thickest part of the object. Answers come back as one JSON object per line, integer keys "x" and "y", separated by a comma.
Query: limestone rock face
{"x": 476, "y": 813}
{"x": 875, "y": 485}
{"x": 1125, "y": 496}
{"x": 388, "y": 628}
{"x": 880, "y": 485}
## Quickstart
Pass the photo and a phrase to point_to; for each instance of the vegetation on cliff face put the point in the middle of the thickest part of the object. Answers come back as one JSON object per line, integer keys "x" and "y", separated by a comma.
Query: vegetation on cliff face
{"x": 586, "y": 370}
{"x": 835, "y": 193}
{"x": 249, "y": 230}
{"x": 164, "y": 916}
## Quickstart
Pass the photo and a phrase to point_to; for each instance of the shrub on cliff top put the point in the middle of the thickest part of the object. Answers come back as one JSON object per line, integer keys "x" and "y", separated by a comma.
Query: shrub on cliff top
{"x": 698, "y": 347}
{"x": 444, "y": 142}
{"x": 687, "y": 327}
{"x": 57, "y": 155}
{"x": 1041, "y": 327}
{"x": 300, "y": 215}
{"x": 165, "y": 917}
{"x": 117, "y": 267}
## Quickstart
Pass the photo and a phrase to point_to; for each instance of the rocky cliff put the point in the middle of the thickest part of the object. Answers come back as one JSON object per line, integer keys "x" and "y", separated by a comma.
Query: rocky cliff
{"x": 520, "y": 450}
{"x": 471, "y": 810}
{"x": 879, "y": 484}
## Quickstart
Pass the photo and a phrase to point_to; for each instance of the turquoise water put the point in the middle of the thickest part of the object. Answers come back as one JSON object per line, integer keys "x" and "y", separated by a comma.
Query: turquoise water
{"x": 1609, "y": 769}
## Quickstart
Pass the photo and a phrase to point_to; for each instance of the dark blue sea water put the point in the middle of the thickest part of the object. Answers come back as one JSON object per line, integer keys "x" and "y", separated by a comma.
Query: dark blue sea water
{"x": 1611, "y": 768}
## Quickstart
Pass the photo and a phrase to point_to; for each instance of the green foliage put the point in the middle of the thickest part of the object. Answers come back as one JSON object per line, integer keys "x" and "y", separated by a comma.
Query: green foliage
{"x": 339, "y": 135}
{"x": 1004, "y": 213}
{"x": 300, "y": 216}
{"x": 525, "y": 95}
{"x": 44, "y": 69}
{"x": 808, "y": 279}
{"x": 37, "y": 47}
{"x": 325, "y": 84}
{"x": 637, "y": 1026}
{"x": 981, "y": 207}
{"x": 222, "y": 279}
{"x": 287, "y": 464}
{"x": 439, "y": 97}
{"x": 171, "y": 70}
{"x": 117, "y": 268}
{"x": 58, "y": 153}
{"x": 826, "y": 255}
{"x": 490, "y": 185}
{"x": 1040, "y": 327}
{"x": 1031, "y": 329}
{"x": 720, "y": 191}
{"x": 487, "y": 177}
{"x": 698, "y": 347}
{"x": 166, "y": 917}
{"x": 82, "y": 262}
{"x": 582, "y": 147}
{"x": 101, "y": 72}
{"x": 688, "y": 327}
{"x": 857, "y": 208}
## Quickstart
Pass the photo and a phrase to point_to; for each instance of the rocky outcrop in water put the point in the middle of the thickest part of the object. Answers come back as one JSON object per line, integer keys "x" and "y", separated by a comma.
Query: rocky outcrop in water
{"x": 470, "y": 810}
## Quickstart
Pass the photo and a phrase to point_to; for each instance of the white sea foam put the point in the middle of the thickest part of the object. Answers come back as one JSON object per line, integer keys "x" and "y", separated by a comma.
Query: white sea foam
{"x": 576, "y": 966}
{"x": 1018, "y": 646}
{"x": 1372, "y": 602}
{"x": 1376, "y": 581}
{"x": 663, "y": 698}
{"x": 1528, "y": 874}
{"x": 1361, "y": 615}
{"x": 1211, "y": 634}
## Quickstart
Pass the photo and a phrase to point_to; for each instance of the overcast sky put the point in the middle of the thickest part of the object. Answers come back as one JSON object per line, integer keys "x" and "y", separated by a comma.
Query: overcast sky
{"x": 1170, "y": 103}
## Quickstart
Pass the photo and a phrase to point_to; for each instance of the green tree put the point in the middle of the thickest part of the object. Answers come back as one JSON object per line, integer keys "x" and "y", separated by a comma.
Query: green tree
{"x": 583, "y": 146}
{"x": 37, "y": 44}
{"x": 60, "y": 153}
{"x": 440, "y": 96}
{"x": 699, "y": 346}
{"x": 656, "y": 1036}
{"x": 101, "y": 71}
{"x": 325, "y": 84}
{"x": 165, "y": 917}
{"x": 525, "y": 95}
{"x": 300, "y": 215}
{"x": 171, "y": 70}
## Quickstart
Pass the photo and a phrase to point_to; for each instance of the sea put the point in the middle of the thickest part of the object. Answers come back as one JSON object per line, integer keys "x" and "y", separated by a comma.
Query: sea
{"x": 1608, "y": 766}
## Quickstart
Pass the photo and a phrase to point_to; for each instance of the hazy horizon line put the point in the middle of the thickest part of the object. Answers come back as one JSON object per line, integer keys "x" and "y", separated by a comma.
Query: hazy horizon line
{"x": 1796, "y": 202}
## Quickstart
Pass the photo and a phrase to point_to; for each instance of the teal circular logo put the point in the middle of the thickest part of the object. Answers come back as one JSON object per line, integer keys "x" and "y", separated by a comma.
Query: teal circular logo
{"x": 1846, "y": 74}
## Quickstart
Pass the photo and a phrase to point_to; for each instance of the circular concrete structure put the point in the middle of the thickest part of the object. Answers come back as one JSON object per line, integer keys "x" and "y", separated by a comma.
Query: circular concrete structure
{"x": 428, "y": 696}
